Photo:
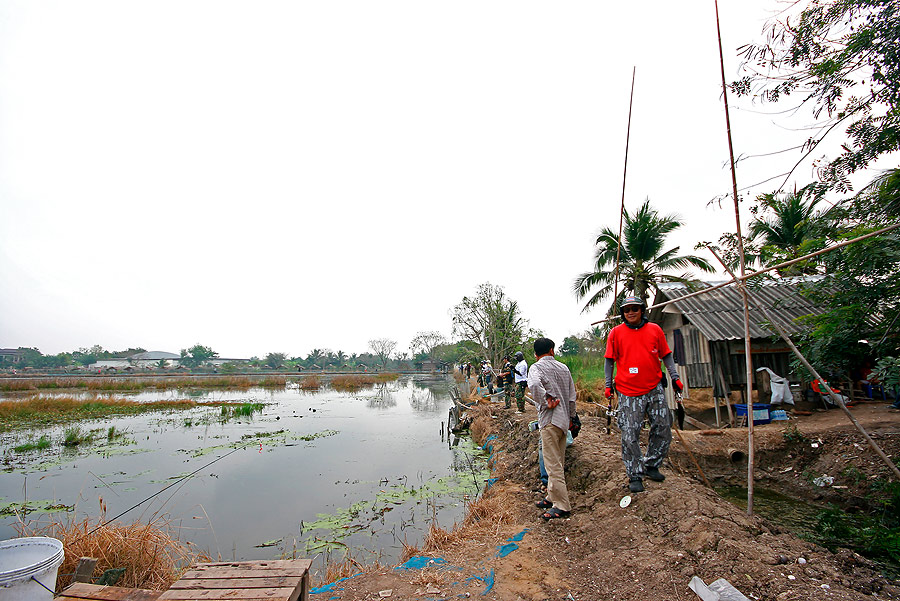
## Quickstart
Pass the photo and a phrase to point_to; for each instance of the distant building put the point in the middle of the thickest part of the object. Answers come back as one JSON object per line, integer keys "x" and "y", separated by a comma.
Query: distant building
{"x": 13, "y": 355}
{"x": 148, "y": 360}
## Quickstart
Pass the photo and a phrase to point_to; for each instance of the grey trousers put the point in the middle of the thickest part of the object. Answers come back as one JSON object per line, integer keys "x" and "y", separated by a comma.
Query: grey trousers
{"x": 631, "y": 416}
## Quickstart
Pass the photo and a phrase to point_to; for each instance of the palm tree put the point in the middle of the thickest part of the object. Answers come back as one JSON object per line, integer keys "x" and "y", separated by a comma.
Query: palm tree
{"x": 788, "y": 228}
{"x": 642, "y": 259}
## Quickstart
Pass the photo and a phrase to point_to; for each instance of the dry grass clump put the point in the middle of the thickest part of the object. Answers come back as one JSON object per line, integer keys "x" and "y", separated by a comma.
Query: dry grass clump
{"x": 492, "y": 510}
{"x": 482, "y": 426}
{"x": 386, "y": 377}
{"x": 484, "y": 518}
{"x": 432, "y": 576}
{"x": 352, "y": 383}
{"x": 309, "y": 383}
{"x": 272, "y": 382}
{"x": 152, "y": 555}
{"x": 343, "y": 568}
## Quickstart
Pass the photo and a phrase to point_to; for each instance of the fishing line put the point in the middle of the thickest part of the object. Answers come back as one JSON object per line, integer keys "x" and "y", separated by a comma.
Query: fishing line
{"x": 159, "y": 492}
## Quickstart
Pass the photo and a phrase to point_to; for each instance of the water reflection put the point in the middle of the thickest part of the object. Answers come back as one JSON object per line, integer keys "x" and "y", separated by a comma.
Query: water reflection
{"x": 383, "y": 397}
{"x": 312, "y": 473}
{"x": 423, "y": 399}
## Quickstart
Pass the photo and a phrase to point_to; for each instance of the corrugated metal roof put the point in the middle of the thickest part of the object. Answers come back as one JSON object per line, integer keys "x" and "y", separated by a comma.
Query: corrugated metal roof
{"x": 154, "y": 356}
{"x": 719, "y": 314}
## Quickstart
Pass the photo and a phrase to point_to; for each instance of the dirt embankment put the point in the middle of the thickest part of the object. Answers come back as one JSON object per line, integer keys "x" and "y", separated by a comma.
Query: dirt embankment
{"x": 675, "y": 530}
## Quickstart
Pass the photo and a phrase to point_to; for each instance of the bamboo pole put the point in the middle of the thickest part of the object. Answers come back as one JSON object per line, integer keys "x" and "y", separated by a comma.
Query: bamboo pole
{"x": 742, "y": 285}
{"x": 624, "y": 174}
{"x": 836, "y": 398}
{"x": 753, "y": 274}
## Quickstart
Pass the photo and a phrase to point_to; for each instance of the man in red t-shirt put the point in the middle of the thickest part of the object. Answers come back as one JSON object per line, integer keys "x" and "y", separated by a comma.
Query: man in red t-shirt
{"x": 635, "y": 349}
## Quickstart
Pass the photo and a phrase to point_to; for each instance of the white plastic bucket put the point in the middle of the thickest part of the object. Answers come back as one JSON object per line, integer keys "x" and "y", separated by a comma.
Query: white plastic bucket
{"x": 26, "y": 564}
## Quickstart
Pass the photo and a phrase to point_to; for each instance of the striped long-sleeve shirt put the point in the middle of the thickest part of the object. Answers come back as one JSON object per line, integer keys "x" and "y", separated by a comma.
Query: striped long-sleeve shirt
{"x": 549, "y": 376}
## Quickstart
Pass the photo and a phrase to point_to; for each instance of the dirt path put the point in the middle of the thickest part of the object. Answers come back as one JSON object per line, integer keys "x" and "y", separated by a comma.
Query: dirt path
{"x": 675, "y": 530}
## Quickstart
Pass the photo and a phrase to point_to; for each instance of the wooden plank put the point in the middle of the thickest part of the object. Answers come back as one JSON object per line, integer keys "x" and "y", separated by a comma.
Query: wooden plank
{"x": 696, "y": 423}
{"x": 271, "y": 563}
{"x": 304, "y": 589}
{"x": 272, "y": 594}
{"x": 220, "y": 573}
{"x": 96, "y": 592}
{"x": 249, "y": 569}
{"x": 213, "y": 583}
{"x": 85, "y": 569}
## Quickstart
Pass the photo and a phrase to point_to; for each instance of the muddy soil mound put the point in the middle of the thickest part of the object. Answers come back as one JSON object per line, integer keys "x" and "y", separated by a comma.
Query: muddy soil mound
{"x": 650, "y": 549}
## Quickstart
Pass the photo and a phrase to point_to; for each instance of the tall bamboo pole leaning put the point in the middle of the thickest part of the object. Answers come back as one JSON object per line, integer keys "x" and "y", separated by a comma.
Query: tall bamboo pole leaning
{"x": 624, "y": 175}
{"x": 836, "y": 398}
{"x": 742, "y": 285}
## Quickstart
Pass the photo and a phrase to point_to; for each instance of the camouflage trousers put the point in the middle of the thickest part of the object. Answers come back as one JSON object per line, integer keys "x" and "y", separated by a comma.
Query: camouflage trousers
{"x": 520, "y": 395}
{"x": 631, "y": 417}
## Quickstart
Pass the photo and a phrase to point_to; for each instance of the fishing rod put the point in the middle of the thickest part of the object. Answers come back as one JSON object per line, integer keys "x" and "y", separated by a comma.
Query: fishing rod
{"x": 610, "y": 412}
{"x": 159, "y": 492}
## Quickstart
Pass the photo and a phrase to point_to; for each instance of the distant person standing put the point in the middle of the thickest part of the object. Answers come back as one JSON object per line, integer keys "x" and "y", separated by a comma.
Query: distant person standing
{"x": 553, "y": 393}
{"x": 505, "y": 378}
{"x": 468, "y": 371}
{"x": 635, "y": 348}
{"x": 520, "y": 372}
{"x": 487, "y": 376}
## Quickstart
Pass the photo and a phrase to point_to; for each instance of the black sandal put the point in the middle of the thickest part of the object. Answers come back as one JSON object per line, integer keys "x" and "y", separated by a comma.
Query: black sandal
{"x": 544, "y": 504}
{"x": 554, "y": 513}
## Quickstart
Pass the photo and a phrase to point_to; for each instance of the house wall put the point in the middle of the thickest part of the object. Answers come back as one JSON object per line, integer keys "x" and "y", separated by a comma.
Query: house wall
{"x": 696, "y": 369}
{"x": 775, "y": 356}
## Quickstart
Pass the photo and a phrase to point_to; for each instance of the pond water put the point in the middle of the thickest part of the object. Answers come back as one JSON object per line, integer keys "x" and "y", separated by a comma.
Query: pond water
{"x": 311, "y": 474}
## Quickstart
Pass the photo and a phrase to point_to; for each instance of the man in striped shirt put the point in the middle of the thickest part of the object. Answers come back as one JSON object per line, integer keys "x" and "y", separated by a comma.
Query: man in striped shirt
{"x": 553, "y": 393}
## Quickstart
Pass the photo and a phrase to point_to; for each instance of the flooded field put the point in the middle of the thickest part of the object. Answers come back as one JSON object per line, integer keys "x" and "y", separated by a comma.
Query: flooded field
{"x": 283, "y": 473}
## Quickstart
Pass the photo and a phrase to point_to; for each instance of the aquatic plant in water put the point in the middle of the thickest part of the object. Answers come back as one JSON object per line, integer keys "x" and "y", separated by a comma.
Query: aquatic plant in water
{"x": 42, "y": 443}
{"x": 34, "y": 506}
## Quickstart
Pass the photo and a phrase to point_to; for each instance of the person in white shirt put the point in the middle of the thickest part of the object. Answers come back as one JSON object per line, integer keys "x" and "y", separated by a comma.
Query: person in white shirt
{"x": 520, "y": 372}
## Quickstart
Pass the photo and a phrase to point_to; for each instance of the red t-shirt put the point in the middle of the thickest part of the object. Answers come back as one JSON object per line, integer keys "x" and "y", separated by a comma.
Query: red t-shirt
{"x": 637, "y": 354}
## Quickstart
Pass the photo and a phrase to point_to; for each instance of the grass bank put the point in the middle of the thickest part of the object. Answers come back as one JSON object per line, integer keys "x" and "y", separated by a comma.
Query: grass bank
{"x": 42, "y": 411}
{"x": 588, "y": 373}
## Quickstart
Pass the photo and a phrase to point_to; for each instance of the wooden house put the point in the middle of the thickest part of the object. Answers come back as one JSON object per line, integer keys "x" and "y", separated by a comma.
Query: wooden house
{"x": 706, "y": 332}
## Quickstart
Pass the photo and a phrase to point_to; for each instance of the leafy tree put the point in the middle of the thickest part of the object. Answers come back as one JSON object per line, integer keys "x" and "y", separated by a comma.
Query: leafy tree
{"x": 339, "y": 358}
{"x": 197, "y": 355}
{"x": 571, "y": 346}
{"x": 492, "y": 320}
{"x": 458, "y": 352}
{"x": 162, "y": 364}
{"x": 788, "y": 227}
{"x": 861, "y": 295}
{"x": 842, "y": 58}
{"x": 424, "y": 343}
{"x": 275, "y": 360}
{"x": 383, "y": 349}
{"x": 86, "y": 356}
{"x": 642, "y": 260}
{"x": 314, "y": 357}
{"x": 124, "y": 354}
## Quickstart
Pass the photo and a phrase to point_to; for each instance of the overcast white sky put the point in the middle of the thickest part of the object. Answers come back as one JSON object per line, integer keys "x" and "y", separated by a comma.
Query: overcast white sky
{"x": 280, "y": 176}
